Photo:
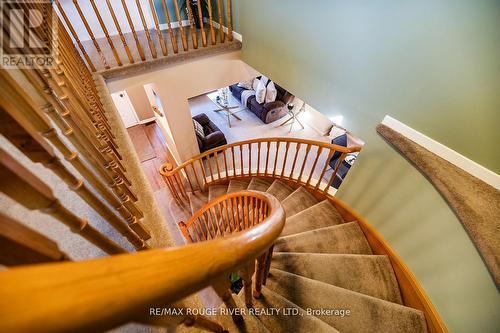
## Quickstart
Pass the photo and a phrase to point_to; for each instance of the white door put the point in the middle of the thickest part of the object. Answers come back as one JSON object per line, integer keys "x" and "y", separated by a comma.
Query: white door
{"x": 125, "y": 108}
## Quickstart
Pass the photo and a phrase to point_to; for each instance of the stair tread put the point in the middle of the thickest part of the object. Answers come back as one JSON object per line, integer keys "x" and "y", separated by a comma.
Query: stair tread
{"x": 287, "y": 323}
{"x": 196, "y": 201}
{"x": 322, "y": 214}
{"x": 371, "y": 275}
{"x": 367, "y": 314}
{"x": 280, "y": 190}
{"x": 344, "y": 238}
{"x": 259, "y": 184}
{"x": 215, "y": 191}
{"x": 298, "y": 201}
{"x": 237, "y": 185}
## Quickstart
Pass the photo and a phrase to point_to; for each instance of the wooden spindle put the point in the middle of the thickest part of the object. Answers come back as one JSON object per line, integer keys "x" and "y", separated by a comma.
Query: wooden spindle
{"x": 258, "y": 159}
{"x": 318, "y": 154}
{"x": 221, "y": 22}
{"x": 259, "y": 275}
{"x": 158, "y": 30}
{"x": 330, "y": 155}
{"x": 210, "y": 23}
{"x": 134, "y": 33}
{"x": 181, "y": 27}
{"x": 173, "y": 39}
{"x": 21, "y": 185}
{"x": 275, "y": 164}
{"x": 308, "y": 149}
{"x": 246, "y": 275}
{"x": 297, "y": 149}
{"x": 200, "y": 19}
{"x": 152, "y": 47}
{"x": 35, "y": 148}
{"x": 267, "y": 157}
{"x": 91, "y": 34}
{"x": 234, "y": 161}
{"x": 287, "y": 146}
{"x": 185, "y": 232}
{"x": 335, "y": 170}
{"x": 75, "y": 36}
{"x": 229, "y": 22}
{"x": 106, "y": 33}
{"x": 242, "y": 162}
{"x": 120, "y": 33}
{"x": 20, "y": 245}
{"x": 192, "y": 27}
{"x": 249, "y": 159}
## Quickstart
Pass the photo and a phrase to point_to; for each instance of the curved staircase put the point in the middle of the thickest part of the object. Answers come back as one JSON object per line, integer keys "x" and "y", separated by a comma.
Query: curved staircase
{"x": 323, "y": 275}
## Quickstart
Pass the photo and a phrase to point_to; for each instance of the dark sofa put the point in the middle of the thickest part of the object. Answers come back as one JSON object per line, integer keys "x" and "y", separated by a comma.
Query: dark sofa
{"x": 213, "y": 136}
{"x": 267, "y": 112}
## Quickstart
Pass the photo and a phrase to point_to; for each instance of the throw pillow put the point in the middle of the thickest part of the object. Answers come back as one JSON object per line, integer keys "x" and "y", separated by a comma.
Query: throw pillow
{"x": 198, "y": 129}
{"x": 260, "y": 93}
{"x": 271, "y": 92}
{"x": 246, "y": 84}
{"x": 264, "y": 79}
{"x": 255, "y": 84}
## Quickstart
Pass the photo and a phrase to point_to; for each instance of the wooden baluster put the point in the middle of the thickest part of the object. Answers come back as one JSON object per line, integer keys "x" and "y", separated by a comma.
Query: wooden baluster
{"x": 152, "y": 47}
{"x": 42, "y": 125}
{"x": 200, "y": 19}
{"x": 188, "y": 179}
{"x": 246, "y": 275}
{"x": 318, "y": 154}
{"x": 332, "y": 177}
{"x": 75, "y": 36}
{"x": 297, "y": 149}
{"x": 173, "y": 39}
{"x": 158, "y": 31}
{"x": 229, "y": 22}
{"x": 210, "y": 23}
{"x": 267, "y": 157}
{"x": 259, "y": 275}
{"x": 181, "y": 28}
{"x": 195, "y": 176}
{"x": 330, "y": 155}
{"x": 268, "y": 264}
{"x": 249, "y": 159}
{"x": 210, "y": 168}
{"x": 287, "y": 146}
{"x": 120, "y": 33}
{"x": 221, "y": 287}
{"x": 304, "y": 162}
{"x": 234, "y": 161}
{"x": 216, "y": 157}
{"x": 202, "y": 167}
{"x": 192, "y": 27}
{"x": 221, "y": 23}
{"x": 21, "y": 185}
{"x": 276, "y": 158}
{"x": 134, "y": 33}
{"x": 35, "y": 148}
{"x": 106, "y": 33}
{"x": 242, "y": 166}
{"x": 258, "y": 159}
{"x": 91, "y": 34}
{"x": 225, "y": 163}
{"x": 20, "y": 245}
{"x": 230, "y": 227}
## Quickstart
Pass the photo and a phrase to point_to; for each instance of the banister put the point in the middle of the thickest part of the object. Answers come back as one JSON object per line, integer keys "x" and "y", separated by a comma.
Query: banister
{"x": 100, "y": 294}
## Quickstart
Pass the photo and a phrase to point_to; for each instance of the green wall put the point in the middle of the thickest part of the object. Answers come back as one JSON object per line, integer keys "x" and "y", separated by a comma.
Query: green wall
{"x": 434, "y": 65}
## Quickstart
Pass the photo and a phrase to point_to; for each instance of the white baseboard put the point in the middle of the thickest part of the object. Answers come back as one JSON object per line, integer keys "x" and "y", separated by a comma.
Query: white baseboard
{"x": 444, "y": 152}
{"x": 149, "y": 120}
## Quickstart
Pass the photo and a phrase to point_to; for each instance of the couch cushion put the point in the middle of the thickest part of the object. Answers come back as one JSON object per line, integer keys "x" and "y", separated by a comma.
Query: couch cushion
{"x": 247, "y": 84}
{"x": 260, "y": 92}
{"x": 271, "y": 92}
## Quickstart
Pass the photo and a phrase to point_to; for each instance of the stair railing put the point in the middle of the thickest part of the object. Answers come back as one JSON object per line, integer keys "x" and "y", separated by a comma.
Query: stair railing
{"x": 224, "y": 216}
{"x": 100, "y": 294}
{"x": 301, "y": 161}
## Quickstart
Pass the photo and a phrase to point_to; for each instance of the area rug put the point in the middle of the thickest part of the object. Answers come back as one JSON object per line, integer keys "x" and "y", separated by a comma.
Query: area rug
{"x": 476, "y": 203}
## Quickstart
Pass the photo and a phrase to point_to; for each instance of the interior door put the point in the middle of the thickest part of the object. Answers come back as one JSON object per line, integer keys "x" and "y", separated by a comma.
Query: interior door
{"x": 125, "y": 109}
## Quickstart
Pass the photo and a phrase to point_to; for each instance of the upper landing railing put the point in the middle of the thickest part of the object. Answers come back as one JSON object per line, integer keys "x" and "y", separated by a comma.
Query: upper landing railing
{"x": 119, "y": 33}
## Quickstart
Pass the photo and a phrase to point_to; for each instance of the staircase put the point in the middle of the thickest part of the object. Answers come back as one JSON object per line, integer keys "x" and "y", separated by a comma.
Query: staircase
{"x": 322, "y": 270}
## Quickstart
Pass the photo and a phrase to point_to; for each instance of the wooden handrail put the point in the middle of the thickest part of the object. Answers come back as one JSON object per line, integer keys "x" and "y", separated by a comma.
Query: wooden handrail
{"x": 115, "y": 290}
{"x": 221, "y": 163}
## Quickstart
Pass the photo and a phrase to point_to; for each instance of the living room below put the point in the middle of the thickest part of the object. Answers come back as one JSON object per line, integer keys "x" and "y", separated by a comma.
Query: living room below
{"x": 231, "y": 114}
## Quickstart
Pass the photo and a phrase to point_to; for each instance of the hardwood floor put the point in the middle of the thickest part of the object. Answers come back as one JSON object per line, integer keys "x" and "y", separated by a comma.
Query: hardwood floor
{"x": 150, "y": 146}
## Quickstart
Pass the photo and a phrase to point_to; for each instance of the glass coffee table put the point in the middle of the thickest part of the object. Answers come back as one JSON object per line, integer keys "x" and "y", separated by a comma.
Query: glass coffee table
{"x": 228, "y": 110}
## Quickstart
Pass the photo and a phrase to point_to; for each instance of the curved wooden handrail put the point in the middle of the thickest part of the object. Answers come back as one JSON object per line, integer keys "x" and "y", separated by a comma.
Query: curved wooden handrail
{"x": 239, "y": 160}
{"x": 100, "y": 294}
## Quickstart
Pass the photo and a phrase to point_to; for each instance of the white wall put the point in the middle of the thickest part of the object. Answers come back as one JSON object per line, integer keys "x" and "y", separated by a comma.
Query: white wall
{"x": 175, "y": 84}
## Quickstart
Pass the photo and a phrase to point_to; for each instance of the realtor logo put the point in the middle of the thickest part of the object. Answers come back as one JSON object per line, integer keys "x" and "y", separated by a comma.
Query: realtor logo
{"x": 28, "y": 37}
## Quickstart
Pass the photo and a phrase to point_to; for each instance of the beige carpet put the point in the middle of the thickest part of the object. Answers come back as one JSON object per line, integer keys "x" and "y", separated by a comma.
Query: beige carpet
{"x": 476, "y": 203}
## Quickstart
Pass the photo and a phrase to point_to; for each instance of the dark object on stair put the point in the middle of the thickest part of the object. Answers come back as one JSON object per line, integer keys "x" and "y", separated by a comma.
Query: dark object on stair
{"x": 236, "y": 283}
{"x": 211, "y": 137}
{"x": 267, "y": 112}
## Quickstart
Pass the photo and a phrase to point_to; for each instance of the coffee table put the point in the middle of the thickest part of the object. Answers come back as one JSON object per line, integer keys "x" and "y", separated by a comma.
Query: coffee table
{"x": 228, "y": 110}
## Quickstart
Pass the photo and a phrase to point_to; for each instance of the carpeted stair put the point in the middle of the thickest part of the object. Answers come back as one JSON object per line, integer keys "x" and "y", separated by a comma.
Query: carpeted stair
{"x": 320, "y": 262}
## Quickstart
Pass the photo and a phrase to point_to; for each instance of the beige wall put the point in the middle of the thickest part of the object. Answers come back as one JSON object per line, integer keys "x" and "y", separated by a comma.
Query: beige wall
{"x": 140, "y": 102}
{"x": 176, "y": 83}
